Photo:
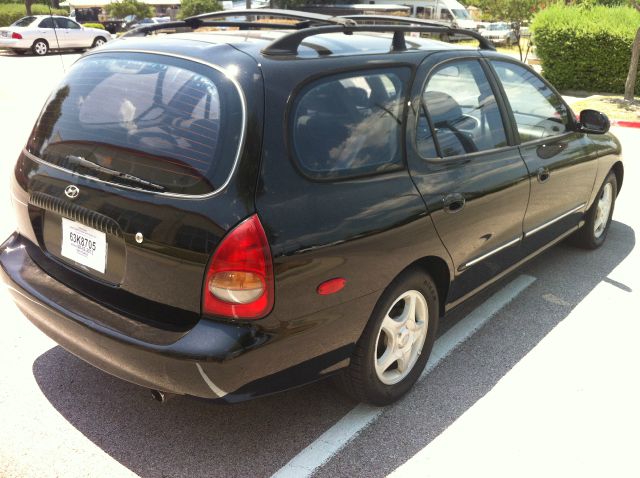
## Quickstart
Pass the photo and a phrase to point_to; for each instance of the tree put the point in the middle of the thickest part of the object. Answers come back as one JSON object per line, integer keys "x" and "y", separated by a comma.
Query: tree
{"x": 27, "y": 6}
{"x": 515, "y": 11}
{"x": 630, "y": 84}
{"x": 123, "y": 8}
{"x": 189, "y": 8}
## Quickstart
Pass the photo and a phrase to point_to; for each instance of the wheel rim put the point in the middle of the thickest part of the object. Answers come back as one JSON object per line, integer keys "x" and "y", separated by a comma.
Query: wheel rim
{"x": 401, "y": 337}
{"x": 602, "y": 210}
{"x": 40, "y": 48}
{"x": 99, "y": 42}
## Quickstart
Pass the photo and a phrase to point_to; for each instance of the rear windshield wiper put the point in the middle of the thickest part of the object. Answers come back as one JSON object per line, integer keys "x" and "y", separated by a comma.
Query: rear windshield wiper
{"x": 85, "y": 163}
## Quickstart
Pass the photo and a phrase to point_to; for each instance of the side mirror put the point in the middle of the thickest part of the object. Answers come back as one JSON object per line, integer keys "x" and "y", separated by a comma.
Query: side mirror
{"x": 592, "y": 121}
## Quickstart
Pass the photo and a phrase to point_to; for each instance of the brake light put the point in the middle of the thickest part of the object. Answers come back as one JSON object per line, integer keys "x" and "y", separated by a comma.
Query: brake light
{"x": 239, "y": 280}
{"x": 16, "y": 36}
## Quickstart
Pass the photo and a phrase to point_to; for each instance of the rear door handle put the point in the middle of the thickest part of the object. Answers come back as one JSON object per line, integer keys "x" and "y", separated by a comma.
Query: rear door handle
{"x": 453, "y": 202}
{"x": 543, "y": 175}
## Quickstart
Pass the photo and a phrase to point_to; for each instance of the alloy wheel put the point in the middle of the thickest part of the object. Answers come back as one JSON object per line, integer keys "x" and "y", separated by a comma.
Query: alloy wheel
{"x": 401, "y": 337}
{"x": 602, "y": 211}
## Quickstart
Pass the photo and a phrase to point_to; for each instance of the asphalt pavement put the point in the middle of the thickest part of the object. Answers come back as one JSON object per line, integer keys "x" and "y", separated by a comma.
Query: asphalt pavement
{"x": 536, "y": 377}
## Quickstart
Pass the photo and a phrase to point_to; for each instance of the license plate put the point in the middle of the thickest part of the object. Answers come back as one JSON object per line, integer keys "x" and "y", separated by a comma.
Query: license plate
{"x": 84, "y": 245}
{"x": 4, "y": 34}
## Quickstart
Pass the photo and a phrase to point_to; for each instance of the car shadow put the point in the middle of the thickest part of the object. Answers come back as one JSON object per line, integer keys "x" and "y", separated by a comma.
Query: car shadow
{"x": 191, "y": 437}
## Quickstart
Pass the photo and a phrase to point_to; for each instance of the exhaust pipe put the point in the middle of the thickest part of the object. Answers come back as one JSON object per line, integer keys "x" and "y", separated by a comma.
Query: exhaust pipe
{"x": 158, "y": 396}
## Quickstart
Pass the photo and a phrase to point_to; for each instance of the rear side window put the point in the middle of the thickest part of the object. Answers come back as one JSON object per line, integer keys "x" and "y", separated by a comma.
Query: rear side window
{"x": 350, "y": 124}
{"x": 145, "y": 121}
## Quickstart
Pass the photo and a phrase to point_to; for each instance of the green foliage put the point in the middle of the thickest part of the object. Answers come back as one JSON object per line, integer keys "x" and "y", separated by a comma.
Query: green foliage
{"x": 10, "y": 12}
{"x": 586, "y": 48}
{"x": 100, "y": 26}
{"x": 509, "y": 10}
{"x": 123, "y": 8}
{"x": 189, "y": 8}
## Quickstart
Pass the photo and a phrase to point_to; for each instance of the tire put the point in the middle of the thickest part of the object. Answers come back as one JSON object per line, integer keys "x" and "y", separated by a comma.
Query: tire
{"x": 598, "y": 220}
{"x": 99, "y": 41}
{"x": 377, "y": 380}
{"x": 19, "y": 52}
{"x": 40, "y": 47}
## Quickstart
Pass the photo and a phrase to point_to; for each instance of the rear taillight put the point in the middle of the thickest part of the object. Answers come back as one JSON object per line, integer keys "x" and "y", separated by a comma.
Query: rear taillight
{"x": 239, "y": 280}
{"x": 16, "y": 36}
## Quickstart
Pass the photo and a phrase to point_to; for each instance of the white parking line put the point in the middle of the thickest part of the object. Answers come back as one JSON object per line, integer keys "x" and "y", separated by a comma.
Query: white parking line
{"x": 349, "y": 426}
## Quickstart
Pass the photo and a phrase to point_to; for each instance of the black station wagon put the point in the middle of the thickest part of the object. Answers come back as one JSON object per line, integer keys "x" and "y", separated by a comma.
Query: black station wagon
{"x": 234, "y": 212}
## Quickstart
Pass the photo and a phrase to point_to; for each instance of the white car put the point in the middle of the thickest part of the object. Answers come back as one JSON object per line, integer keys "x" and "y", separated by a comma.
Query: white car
{"x": 499, "y": 33}
{"x": 41, "y": 33}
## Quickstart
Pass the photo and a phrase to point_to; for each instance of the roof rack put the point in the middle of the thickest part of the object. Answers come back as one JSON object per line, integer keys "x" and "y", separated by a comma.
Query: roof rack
{"x": 209, "y": 20}
{"x": 311, "y": 24}
{"x": 288, "y": 44}
{"x": 307, "y": 18}
{"x": 485, "y": 43}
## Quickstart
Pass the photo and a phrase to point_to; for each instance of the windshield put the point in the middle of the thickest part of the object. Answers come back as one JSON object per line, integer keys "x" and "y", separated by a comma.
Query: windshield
{"x": 23, "y": 22}
{"x": 162, "y": 124}
{"x": 460, "y": 13}
{"x": 498, "y": 26}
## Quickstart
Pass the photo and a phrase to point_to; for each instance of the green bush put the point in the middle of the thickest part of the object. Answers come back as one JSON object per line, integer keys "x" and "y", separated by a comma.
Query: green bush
{"x": 586, "y": 48}
{"x": 189, "y": 8}
{"x": 94, "y": 25}
{"x": 10, "y": 12}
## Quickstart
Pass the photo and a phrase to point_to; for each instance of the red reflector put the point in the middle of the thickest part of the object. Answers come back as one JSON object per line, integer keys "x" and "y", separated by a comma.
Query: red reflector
{"x": 239, "y": 280}
{"x": 331, "y": 286}
{"x": 16, "y": 36}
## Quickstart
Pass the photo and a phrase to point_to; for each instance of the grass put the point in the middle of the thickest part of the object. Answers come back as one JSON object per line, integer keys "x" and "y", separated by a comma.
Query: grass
{"x": 614, "y": 106}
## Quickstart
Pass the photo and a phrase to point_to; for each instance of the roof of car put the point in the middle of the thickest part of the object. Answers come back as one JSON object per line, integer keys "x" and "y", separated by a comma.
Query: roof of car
{"x": 253, "y": 41}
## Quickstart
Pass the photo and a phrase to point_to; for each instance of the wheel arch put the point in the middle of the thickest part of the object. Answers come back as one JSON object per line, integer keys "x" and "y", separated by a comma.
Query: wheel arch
{"x": 41, "y": 39}
{"x": 439, "y": 271}
{"x": 618, "y": 170}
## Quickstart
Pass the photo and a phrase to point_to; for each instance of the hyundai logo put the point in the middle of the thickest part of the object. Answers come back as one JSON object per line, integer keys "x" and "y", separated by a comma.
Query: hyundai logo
{"x": 72, "y": 191}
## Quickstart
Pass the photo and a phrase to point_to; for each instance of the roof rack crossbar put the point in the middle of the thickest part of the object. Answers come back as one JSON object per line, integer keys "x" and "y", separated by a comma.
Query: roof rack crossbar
{"x": 147, "y": 29}
{"x": 288, "y": 44}
{"x": 485, "y": 43}
{"x": 270, "y": 12}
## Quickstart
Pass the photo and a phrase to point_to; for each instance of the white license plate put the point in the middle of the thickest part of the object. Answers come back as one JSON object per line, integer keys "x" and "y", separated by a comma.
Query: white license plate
{"x": 84, "y": 245}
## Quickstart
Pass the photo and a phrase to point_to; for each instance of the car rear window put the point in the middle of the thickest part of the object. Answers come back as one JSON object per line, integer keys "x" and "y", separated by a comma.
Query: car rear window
{"x": 23, "y": 22}
{"x": 350, "y": 124}
{"x": 146, "y": 121}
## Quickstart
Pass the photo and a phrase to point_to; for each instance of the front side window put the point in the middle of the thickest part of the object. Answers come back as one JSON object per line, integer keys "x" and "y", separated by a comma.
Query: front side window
{"x": 66, "y": 23}
{"x": 458, "y": 104}
{"x": 350, "y": 124}
{"x": 538, "y": 111}
{"x": 146, "y": 121}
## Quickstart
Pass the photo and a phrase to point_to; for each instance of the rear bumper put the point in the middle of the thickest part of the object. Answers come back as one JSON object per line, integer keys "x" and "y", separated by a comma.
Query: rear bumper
{"x": 12, "y": 43}
{"x": 211, "y": 360}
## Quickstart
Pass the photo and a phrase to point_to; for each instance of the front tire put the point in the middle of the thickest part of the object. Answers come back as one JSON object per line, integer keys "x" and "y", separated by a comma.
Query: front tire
{"x": 594, "y": 232}
{"x": 396, "y": 343}
{"x": 40, "y": 47}
{"x": 99, "y": 41}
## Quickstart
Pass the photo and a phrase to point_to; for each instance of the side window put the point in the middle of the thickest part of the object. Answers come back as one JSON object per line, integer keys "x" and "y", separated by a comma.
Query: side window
{"x": 424, "y": 12}
{"x": 458, "y": 103}
{"x": 65, "y": 23}
{"x": 350, "y": 124}
{"x": 538, "y": 111}
{"x": 46, "y": 23}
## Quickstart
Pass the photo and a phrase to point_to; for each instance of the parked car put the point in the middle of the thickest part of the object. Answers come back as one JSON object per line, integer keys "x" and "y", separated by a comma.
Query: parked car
{"x": 41, "y": 33}
{"x": 500, "y": 33}
{"x": 230, "y": 214}
{"x": 148, "y": 21}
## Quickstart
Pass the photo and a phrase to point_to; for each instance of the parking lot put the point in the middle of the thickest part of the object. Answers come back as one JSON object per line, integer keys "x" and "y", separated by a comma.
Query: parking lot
{"x": 538, "y": 376}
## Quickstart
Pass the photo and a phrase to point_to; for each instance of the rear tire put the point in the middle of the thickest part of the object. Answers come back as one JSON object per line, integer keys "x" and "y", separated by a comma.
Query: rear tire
{"x": 40, "y": 47}
{"x": 594, "y": 232}
{"x": 403, "y": 327}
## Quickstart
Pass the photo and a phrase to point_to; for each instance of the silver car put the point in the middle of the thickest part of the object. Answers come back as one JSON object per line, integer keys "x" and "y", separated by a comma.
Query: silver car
{"x": 41, "y": 33}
